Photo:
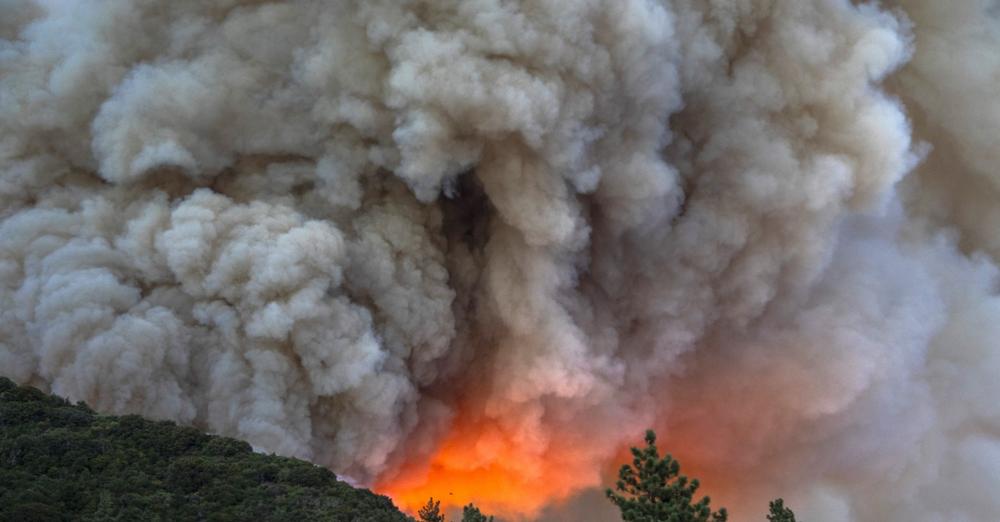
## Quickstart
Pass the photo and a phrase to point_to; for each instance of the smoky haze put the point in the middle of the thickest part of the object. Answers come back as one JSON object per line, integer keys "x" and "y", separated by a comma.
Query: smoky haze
{"x": 489, "y": 242}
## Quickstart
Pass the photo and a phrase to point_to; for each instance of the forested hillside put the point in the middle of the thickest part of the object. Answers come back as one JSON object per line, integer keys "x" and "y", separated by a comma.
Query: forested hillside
{"x": 60, "y": 461}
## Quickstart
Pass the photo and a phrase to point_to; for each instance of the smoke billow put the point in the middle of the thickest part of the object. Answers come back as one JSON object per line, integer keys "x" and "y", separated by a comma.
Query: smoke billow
{"x": 476, "y": 247}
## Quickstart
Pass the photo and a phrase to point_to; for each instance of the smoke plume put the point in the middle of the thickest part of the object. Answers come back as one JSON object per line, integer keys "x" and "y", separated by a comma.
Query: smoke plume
{"x": 473, "y": 248}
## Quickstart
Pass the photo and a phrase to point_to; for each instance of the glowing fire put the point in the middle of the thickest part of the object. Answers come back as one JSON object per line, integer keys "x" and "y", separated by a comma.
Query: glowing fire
{"x": 480, "y": 463}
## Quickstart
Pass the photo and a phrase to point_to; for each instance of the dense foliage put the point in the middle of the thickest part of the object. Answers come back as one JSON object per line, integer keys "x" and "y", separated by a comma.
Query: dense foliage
{"x": 60, "y": 461}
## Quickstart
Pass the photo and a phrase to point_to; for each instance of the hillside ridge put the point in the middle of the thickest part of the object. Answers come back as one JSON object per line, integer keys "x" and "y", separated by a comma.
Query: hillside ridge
{"x": 62, "y": 461}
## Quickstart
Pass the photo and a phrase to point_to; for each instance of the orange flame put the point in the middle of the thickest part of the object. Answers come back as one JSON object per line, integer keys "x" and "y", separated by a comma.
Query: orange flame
{"x": 514, "y": 471}
{"x": 481, "y": 463}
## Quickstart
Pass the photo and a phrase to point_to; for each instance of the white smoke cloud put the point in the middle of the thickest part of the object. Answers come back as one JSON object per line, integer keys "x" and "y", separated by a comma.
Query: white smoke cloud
{"x": 333, "y": 228}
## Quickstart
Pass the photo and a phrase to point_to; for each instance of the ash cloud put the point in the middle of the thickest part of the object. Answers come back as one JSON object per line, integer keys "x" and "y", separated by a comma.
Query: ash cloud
{"x": 334, "y": 229}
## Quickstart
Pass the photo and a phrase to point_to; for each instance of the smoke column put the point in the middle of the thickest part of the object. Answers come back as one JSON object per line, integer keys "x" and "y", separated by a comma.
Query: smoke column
{"x": 473, "y": 248}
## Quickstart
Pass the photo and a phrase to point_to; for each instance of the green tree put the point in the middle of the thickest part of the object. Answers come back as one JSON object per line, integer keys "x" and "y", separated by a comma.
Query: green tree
{"x": 60, "y": 461}
{"x": 431, "y": 512}
{"x": 652, "y": 489}
{"x": 779, "y": 513}
{"x": 471, "y": 513}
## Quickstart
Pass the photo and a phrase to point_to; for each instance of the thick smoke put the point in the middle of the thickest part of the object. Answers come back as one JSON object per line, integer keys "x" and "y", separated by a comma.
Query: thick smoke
{"x": 414, "y": 240}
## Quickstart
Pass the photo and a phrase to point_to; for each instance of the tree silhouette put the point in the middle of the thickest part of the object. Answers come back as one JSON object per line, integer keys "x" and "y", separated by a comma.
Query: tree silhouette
{"x": 652, "y": 489}
{"x": 431, "y": 512}
{"x": 779, "y": 513}
{"x": 471, "y": 513}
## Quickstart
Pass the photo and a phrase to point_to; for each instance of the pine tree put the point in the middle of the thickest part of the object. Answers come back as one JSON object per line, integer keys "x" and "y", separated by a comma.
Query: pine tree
{"x": 431, "y": 512}
{"x": 471, "y": 513}
{"x": 653, "y": 490}
{"x": 779, "y": 513}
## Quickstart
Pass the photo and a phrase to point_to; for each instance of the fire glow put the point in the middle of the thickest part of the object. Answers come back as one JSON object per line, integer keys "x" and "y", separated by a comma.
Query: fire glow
{"x": 482, "y": 465}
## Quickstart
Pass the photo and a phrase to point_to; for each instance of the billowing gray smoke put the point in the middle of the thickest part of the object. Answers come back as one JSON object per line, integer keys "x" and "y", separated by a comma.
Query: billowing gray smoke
{"x": 361, "y": 232}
